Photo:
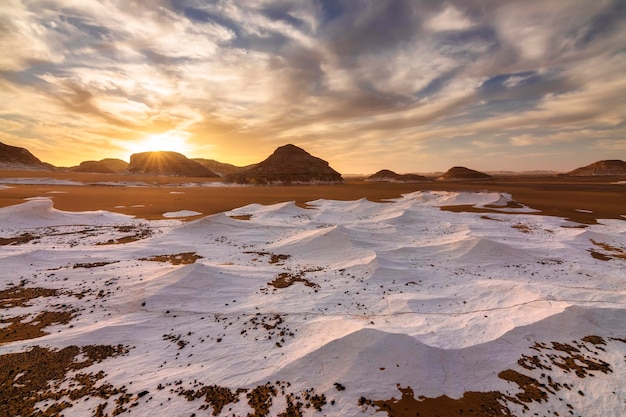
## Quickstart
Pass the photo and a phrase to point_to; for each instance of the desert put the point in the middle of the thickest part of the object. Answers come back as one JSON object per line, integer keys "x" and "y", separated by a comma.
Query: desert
{"x": 313, "y": 208}
{"x": 144, "y": 295}
{"x": 583, "y": 199}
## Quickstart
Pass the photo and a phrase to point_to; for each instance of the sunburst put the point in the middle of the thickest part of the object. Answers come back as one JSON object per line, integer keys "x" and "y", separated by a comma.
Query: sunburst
{"x": 169, "y": 141}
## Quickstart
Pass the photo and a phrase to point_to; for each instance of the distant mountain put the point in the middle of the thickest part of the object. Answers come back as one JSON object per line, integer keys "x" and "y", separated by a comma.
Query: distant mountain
{"x": 463, "y": 174}
{"x": 289, "y": 164}
{"x": 534, "y": 173}
{"x": 607, "y": 167}
{"x": 104, "y": 166}
{"x": 13, "y": 157}
{"x": 386, "y": 175}
{"x": 220, "y": 168}
{"x": 167, "y": 163}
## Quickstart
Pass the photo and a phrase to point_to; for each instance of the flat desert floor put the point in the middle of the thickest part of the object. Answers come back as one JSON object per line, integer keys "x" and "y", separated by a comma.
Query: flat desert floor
{"x": 144, "y": 296}
{"x": 149, "y": 197}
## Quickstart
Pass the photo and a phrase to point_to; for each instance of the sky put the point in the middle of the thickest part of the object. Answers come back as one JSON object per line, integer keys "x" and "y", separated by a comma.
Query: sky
{"x": 407, "y": 85}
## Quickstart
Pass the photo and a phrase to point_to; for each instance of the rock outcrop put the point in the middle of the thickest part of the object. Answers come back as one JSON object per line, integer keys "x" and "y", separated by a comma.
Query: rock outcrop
{"x": 167, "y": 163}
{"x": 463, "y": 174}
{"x": 606, "y": 167}
{"x": 386, "y": 175}
{"x": 13, "y": 157}
{"x": 104, "y": 166}
{"x": 289, "y": 164}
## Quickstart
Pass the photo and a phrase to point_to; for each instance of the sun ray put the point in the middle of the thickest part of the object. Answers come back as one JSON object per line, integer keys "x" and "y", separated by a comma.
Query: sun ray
{"x": 174, "y": 141}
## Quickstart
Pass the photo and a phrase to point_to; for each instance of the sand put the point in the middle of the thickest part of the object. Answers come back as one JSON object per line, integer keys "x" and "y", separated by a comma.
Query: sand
{"x": 582, "y": 200}
{"x": 438, "y": 303}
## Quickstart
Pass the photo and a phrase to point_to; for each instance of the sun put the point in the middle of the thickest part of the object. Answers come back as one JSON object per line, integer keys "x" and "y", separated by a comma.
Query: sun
{"x": 169, "y": 141}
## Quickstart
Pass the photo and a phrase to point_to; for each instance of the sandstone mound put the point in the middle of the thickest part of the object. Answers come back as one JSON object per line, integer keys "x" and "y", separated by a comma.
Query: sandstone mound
{"x": 463, "y": 174}
{"x": 289, "y": 164}
{"x": 386, "y": 175}
{"x": 607, "y": 167}
{"x": 13, "y": 157}
{"x": 167, "y": 163}
{"x": 104, "y": 166}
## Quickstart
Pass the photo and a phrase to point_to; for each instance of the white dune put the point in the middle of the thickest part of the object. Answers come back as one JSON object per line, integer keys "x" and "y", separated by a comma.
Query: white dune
{"x": 360, "y": 294}
{"x": 41, "y": 213}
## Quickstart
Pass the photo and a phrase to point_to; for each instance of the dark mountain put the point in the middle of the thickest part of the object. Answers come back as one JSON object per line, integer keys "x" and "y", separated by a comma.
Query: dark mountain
{"x": 463, "y": 174}
{"x": 104, "y": 166}
{"x": 220, "y": 168}
{"x": 607, "y": 167}
{"x": 386, "y": 175}
{"x": 167, "y": 163}
{"x": 13, "y": 157}
{"x": 289, "y": 164}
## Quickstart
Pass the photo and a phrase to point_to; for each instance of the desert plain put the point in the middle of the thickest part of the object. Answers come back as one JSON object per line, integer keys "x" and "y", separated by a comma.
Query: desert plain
{"x": 581, "y": 198}
{"x": 137, "y": 295}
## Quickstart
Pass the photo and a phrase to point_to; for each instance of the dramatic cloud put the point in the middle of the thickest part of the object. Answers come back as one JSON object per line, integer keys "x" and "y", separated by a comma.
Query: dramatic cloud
{"x": 410, "y": 86}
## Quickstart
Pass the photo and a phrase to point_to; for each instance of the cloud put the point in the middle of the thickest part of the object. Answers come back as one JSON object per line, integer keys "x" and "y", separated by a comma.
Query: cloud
{"x": 614, "y": 144}
{"x": 370, "y": 27}
{"x": 524, "y": 140}
{"x": 450, "y": 18}
{"x": 358, "y": 81}
{"x": 26, "y": 38}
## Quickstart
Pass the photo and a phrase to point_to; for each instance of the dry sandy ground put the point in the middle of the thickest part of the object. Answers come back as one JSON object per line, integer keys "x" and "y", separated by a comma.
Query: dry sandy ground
{"x": 580, "y": 199}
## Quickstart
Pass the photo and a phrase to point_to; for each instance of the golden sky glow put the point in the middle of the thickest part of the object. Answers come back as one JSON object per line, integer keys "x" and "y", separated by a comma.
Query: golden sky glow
{"x": 413, "y": 86}
{"x": 168, "y": 141}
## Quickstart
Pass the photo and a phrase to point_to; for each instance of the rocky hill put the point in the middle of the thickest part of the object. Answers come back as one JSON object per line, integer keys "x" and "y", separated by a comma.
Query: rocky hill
{"x": 13, "y": 157}
{"x": 289, "y": 164}
{"x": 463, "y": 174}
{"x": 104, "y": 166}
{"x": 167, "y": 163}
{"x": 387, "y": 175}
{"x": 607, "y": 167}
{"x": 220, "y": 168}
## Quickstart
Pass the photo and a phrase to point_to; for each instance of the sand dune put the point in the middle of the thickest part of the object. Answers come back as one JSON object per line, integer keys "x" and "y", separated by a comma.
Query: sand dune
{"x": 340, "y": 304}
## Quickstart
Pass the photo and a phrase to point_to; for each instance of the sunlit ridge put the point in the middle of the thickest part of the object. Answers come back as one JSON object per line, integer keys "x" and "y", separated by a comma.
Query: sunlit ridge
{"x": 174, "y": 141}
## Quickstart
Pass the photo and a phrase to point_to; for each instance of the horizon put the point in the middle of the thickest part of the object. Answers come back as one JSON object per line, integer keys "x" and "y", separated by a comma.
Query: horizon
{"x": 350, "y": 174}
{"x": 493, "y": 86}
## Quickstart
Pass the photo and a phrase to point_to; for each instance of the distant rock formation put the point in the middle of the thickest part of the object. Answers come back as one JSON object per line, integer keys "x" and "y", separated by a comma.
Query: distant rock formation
{"x": 463, "y": 174}
{"x": 220, "y": 168}
{"x": 386, "y": 175}
{"x": 13, "y": 157}
{"x": 104, "y": 166}
{"x": 607, "y": 167}
{"x": 289, "y": 164}
{"x": 167, "y": 163}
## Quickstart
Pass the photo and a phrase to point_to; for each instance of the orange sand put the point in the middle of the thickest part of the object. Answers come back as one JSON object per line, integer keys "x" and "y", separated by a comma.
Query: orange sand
{"x": 559, "y": 196}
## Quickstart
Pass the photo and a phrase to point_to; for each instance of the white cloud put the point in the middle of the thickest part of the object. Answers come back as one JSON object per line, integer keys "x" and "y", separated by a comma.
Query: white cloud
{"x": 524, "y": 140}
{"x": 536, "y": 28}
{"x": 514, "y": 81}
{"x": 23, "y": 38}
{"x": 449, "y": 19}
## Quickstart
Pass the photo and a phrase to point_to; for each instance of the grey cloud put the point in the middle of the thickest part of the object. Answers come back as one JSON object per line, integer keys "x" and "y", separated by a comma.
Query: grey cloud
{"x": 282, "y": 11}
{"x": 601, "y": 25}
{"x": 437, "y": 83}
{"x": 80, "y": 100}
{"x": 301, "y": 72}
{"x": 369, "y": 27}
{"x": 86, "y": 27}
